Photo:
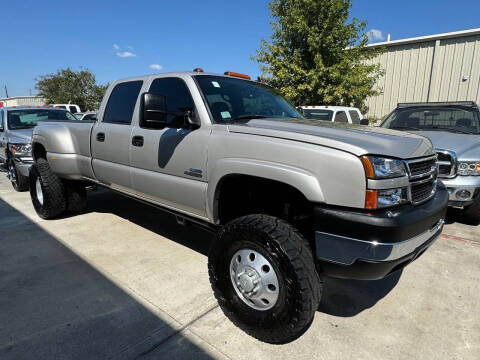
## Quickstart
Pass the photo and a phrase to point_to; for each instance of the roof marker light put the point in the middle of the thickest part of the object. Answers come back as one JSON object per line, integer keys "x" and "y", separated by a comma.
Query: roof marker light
{"x": 235, "y": 74}
{"x": 198, "y": 70}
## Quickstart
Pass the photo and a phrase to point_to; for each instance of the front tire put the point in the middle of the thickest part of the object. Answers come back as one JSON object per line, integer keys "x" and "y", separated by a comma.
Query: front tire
{"x": 47, "y": 191}
{"x": 471, "y": 214}
{"x": 263, "y": 275}
{"x": 19, "y": 182}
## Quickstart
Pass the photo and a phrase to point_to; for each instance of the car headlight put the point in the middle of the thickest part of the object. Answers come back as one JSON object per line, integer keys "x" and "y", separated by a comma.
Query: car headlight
{"x": 468, "y": 168}
{"x": 383, "y": 168}
{"x": 377, "y": 168}
{"x": 21, "y": 149}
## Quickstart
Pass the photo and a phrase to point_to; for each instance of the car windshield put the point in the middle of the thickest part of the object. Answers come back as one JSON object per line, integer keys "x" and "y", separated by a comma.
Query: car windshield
{"x": 318, "y": 114}
{"x": 233, "y": 100}
{"x": 457, "y": 119}
{"x": 28, "y": 118}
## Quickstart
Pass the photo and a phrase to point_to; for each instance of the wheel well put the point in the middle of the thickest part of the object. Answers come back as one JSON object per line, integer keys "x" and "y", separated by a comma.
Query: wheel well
{"x": 38, "y": 151}
{"x": 239, "y": 195}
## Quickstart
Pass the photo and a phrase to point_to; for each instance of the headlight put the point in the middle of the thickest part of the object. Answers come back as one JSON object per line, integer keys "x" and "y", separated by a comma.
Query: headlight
{"x": 377, "y": 199}
{"x": 468, "y": 168}
{"x": 21, "y": 149}
{"x": 377, "y": 168}
{"x": 383, "y": 168}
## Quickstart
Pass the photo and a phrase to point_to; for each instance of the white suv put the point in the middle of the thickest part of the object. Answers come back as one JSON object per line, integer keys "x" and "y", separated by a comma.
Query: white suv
{"x": 340, "y": 114}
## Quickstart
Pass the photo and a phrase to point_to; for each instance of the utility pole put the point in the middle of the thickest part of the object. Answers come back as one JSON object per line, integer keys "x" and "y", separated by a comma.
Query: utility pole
{"x": 6, "y": 91}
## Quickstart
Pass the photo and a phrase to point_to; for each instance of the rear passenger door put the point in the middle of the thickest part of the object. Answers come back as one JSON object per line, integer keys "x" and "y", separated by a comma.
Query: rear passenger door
{"x": 341, "y": 117}
{"x": 112, "y": 134}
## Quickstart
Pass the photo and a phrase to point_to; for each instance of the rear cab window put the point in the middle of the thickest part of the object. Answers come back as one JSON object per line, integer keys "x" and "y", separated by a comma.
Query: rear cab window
{"x": 73, "y": 109}
{"x": 318, "y": 114}
{"x": 121, "y": 103}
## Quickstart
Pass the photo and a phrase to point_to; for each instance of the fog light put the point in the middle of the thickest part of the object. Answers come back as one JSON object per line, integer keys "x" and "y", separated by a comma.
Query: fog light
{"x": 463, "y": 194}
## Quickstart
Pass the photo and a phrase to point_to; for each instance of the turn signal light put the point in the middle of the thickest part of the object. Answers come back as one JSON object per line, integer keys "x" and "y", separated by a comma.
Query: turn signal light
{"x": 234, "y": 74}
{"x": 371, "y": 197}
{"x": 367, "y": 165}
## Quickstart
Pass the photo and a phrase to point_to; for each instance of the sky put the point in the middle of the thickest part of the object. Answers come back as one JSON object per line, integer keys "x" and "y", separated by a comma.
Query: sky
{"x": 118, "y": 39}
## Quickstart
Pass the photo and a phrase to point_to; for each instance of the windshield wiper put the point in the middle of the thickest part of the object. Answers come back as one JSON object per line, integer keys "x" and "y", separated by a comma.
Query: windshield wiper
{"x": 448, "y": 129}
{"x": 248, "y": 117}
{"x": 405, "y": 127}
{"x": 23, "y": 127}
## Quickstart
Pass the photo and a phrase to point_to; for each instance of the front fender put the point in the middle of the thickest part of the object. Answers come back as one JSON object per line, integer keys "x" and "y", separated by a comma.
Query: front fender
{"x": 300, "y": 179}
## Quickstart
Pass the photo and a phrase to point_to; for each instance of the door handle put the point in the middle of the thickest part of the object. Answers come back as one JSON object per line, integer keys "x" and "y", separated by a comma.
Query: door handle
{"x": 137, "y": 141}
{"x": 101, "y": 137}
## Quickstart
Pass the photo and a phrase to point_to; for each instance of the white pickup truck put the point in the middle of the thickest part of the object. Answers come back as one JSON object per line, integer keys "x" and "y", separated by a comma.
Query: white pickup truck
{"x": 290, "y": 199}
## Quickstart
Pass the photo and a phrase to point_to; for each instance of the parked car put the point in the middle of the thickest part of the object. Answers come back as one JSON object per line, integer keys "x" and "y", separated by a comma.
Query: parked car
{"x": 89, "y": 115}
{"x": 70, "y": 107}
{"x": 339, "y": 114}
{"x": 16, "y": 124}
{"x": 454, "y": 129}
{"x": 290, "y": 198}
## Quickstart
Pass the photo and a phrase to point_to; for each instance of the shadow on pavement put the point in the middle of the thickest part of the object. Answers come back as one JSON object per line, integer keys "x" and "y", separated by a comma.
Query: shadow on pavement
{"x": 54, "y": 304}
{"x": 347, "y": 298}
{"x": 340, "y": 297}
{"x": 151, "y": 218}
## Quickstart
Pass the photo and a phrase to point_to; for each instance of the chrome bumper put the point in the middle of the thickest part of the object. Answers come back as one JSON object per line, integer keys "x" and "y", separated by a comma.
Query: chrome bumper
{"x": 345, "y": 250}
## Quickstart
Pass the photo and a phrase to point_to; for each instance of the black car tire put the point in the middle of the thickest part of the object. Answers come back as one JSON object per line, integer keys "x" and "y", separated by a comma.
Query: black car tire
{"x": 471, "y": 214}
{"x": 20, "y": 182}
{"x": 300, "y": 287}
{"x": 53, "y": 189}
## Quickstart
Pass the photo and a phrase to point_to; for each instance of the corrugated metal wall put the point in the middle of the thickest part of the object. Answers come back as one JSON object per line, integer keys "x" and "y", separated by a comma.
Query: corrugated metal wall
{"x": 434, "y": 70}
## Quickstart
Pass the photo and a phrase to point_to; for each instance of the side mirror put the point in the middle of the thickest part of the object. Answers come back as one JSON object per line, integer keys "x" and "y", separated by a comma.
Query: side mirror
{"x": 94, "y": 117}
{"x": 364, "y": 122}
{"x": 154, "y": 109}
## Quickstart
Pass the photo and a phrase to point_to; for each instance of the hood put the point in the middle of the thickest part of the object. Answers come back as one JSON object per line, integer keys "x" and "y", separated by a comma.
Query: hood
{"x": 466, "y": 146}
{"x": 23, "y": 136}
{"x": 356, "y": 139}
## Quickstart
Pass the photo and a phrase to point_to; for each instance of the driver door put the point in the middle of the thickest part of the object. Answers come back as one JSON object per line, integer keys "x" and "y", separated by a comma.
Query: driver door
{"x": 170, "y": 163}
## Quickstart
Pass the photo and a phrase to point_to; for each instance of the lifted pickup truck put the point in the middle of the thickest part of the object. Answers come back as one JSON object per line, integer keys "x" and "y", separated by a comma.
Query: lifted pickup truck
{"x": 454, "y": 129}
{"x": 290, "y": 199}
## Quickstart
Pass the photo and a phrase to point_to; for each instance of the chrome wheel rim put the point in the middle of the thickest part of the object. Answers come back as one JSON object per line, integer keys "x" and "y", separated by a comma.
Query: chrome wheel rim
{"x": 39, "y": 191}
{"x": 254, "y": 279}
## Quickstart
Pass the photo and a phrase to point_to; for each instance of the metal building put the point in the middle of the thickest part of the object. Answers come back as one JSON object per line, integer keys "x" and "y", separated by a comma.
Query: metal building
{"x": 23, "y": 100}
{"x": 442, "y": 67}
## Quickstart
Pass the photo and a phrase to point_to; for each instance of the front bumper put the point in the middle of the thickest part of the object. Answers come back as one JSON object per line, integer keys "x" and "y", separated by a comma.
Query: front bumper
{"x": 371, "y": 245}
{"x": 458, "y": 184}
{"x": 23, "y": 165}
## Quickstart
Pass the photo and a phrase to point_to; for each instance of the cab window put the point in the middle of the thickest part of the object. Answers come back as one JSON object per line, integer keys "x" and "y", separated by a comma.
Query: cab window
{"x": 354, "y": 116}
{"x": 341, "y": 117}
{"x": 178, "y": 99}
{"x": 121, "y": 103}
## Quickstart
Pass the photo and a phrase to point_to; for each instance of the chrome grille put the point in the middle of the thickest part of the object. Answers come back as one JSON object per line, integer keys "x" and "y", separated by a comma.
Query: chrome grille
{"x": 447, "y": 163}
{"x": 422, "y": 174}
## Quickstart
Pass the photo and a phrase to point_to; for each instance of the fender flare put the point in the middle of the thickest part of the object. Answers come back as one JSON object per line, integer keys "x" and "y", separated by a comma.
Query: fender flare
{"x": 300, "y": 179}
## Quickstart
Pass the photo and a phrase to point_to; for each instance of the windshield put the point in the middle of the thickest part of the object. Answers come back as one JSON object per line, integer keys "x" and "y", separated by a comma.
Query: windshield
{"x": 318, "y": 114}
{"x": 456, "y": 119}
{"x": 233, "y": 100}
{"x": 24, "y": 119}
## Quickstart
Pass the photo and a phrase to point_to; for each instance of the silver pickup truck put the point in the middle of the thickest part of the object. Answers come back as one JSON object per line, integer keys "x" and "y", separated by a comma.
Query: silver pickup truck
{"x": 290, "y": 199}
{"x": 16, "y": 125}
{"x": 454, "y": 129}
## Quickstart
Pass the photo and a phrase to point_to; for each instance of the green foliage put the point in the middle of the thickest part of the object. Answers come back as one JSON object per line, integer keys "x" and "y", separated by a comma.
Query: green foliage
{"x": 316, "y": 57}
{"x": 68, "y": 86}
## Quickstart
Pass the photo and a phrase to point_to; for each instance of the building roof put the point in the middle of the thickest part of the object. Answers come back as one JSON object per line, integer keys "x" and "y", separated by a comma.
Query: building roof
{"x": 21, "y": 97}
{"x": 448, "y": 35}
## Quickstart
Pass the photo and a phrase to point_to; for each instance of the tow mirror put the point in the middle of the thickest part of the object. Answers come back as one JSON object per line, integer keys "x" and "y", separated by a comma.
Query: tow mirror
{"x": 364, "y": 122}
{"x": 154, "y": 109}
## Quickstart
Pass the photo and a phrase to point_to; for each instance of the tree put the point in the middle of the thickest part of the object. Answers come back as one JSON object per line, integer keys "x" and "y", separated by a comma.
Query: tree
{"x": 315, "y": 56}
{"x": 68, "y": 86}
